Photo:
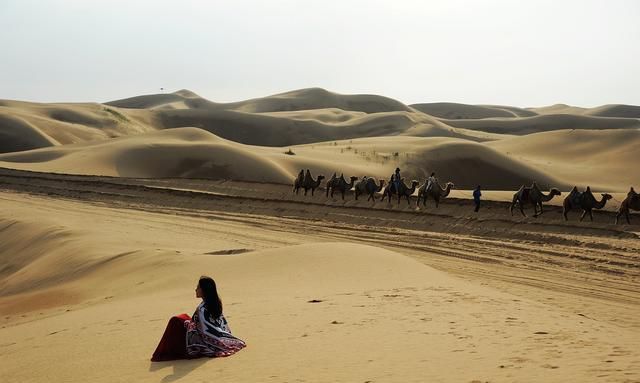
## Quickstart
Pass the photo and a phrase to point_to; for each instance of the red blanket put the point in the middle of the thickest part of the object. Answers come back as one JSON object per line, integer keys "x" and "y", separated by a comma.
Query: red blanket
{"x": 173, "y": 344}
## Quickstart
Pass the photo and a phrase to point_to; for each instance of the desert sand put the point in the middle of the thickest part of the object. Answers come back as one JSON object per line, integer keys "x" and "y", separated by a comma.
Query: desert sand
{"x": 110, "y": 212}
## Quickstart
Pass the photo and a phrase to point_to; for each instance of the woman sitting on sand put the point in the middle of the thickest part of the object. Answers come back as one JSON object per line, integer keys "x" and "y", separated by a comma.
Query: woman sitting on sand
{"x": 205, "y": 334}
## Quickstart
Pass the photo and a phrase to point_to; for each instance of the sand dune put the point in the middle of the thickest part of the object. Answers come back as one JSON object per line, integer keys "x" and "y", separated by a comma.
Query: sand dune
{"x": 302, "y": 99}
{"x": 559, "y": 109}
{"x": 322, "y": 289}
{"x": 603, "y": 158}
{"x": 299, "y": 298}
{"x": 277, "y": 130}
{"x": 544, "y": 123}
{"x": 324, "y": 130}
{"x": 454, "y": 111}
{"x": 74, "y": 123}
{"x": 35, "y": 125}
{"x": 518, "y": 112}
{"x": 616, "y": 110}
{"x": 17, "y": 134}
{"x": 186, "y": 152}
{"x": 182, "y": 99}
{"x": 465, "y": 163}
{"x": 611, "y": 110}
{"x": 194, "y": 153}
{"x": 318, "y": 98}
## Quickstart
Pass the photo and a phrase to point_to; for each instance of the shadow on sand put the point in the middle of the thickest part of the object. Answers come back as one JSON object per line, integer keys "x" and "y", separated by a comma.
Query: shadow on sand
{"x": 181, "y": 368}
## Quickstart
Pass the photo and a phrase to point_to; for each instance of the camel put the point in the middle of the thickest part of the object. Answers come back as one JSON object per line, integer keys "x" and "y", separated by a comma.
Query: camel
{"x": 585, "y": 201}
{"x": 368, "y": 186}
{"x": 307, "y": 182}
{"x": 436, "y": 192}
{"x": 532, "y": 195}
{"x": 632, "y": 202}
{"x": 404, "y": 190}
{"x": 340, "y": 184}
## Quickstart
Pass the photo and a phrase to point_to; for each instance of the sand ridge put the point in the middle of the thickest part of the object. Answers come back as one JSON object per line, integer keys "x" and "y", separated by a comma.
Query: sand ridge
{"x": 150, "y": 136}
{"x": 109, "y": 212}
{"x": 398, "y": 320}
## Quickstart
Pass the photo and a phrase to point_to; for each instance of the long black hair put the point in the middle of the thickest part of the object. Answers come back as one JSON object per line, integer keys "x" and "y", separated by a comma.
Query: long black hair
{"x": 212, "y": 301}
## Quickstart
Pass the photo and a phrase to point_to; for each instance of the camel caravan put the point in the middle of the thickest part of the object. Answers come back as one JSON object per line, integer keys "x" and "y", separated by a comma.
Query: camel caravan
{"x": 397, "y": 188}
{"x": 369, "y": 186}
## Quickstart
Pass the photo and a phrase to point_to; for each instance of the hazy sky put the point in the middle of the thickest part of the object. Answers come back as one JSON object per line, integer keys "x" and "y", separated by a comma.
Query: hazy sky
{"x": 532, "y": 53}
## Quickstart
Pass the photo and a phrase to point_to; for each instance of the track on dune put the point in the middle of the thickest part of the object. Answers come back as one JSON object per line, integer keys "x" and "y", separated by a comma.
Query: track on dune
{"x": 594, "y": 261}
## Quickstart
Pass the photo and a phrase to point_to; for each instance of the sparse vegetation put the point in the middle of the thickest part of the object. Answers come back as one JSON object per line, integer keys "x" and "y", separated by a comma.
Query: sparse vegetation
{"x": 119, "y": 116}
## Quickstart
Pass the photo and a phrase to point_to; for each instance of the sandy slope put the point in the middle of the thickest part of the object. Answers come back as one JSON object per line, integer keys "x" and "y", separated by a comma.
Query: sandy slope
{"x": 26, "y": 125}
{"x": 605, "y": 159}
{"x": 611, "y": 110}
{"x": 301, "y": 99}
{"x": 476, "y": 146}
{"x": 454, "y": 111}
{"x": 256, "y": 122}
{"x": 381, "y": 316}
{"x": 191, "y": 152}
{"x": 545, "y": 123}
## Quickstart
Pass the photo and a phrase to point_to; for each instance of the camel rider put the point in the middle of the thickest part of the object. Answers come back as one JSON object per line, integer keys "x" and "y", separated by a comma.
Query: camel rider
{"x": 476, "y": 197}
{"x": 432, "y": 180}
{"x": 396, "y": 178}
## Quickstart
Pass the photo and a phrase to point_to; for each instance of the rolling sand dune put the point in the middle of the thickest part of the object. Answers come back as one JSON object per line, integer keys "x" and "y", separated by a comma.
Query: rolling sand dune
{"x": 34, "y": 125}
{"x": 518, "y": 112}
{"x": 74, "y": 123}
{"x": 18, "y": 134}
{"x": 559, "y": 109}
{"x": 194, "y": 153}
{"x": 454, "y": 111}
{"x": 615, "y": 110}
{"x": 302, "y": 99}
{"x": 545, "y": 123}
{"x": 278, "y": 130}
{"x": 601, "y": 158}
{"x": 318, "y": 98}
{"x": 611, "y": 110}
{"x": 185, "y": 152}
{"x": 157, "y": 190}
{"x": 325, "y": 310}
{"x": 182, "y": 99}
{"x": 463, "y": 162}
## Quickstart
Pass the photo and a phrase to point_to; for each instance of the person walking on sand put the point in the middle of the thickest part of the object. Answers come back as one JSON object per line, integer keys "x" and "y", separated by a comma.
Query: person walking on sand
{"x": 476, "y": 198}
{"x": 206, "y": 333}
{"x": 396, "y": 178}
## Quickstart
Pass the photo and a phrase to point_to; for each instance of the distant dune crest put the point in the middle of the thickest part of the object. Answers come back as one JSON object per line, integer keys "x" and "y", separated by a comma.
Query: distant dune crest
{"x": 323, "y": 130}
